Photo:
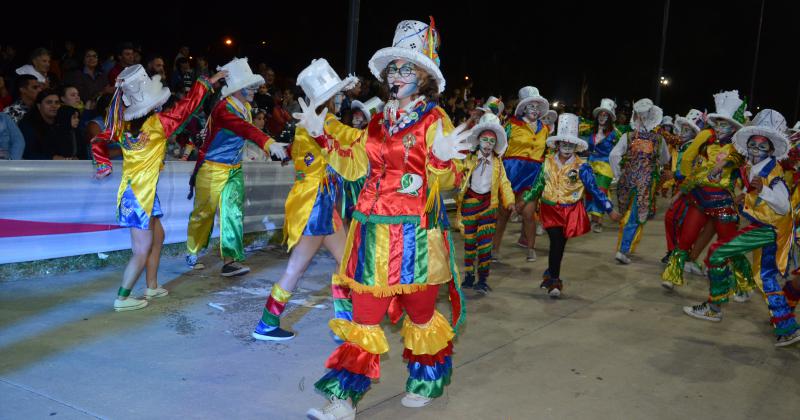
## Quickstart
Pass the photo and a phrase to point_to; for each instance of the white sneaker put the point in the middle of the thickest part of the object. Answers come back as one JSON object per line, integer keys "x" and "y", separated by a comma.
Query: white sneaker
{"x": 155, "y": 293}
{"x": 703, "y": 311}
{"x": 531, "y": 255}
{"x": 622, "y": 258}
{"x": 597, "y": 227}
{"x": 692, "y": 267}
{"x": 412, "y": 400}
{"x": 335, "y": 410}
{"x": 668, "y": 285}
{"x": 742, "y": 297}
{"x": 788, "y": 340}
{"x": 129, "y": 304}
{"x": 539, "y": 230}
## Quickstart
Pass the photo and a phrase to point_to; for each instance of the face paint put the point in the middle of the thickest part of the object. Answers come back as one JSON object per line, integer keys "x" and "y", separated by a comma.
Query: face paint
{"x": 401, "y": 76}
{"x": 248, "y": 93}
{"x": 486, "y": 142}
{"x": 358, "y": 119}
{"x": 566, "y": 149}
{"x": 602, "y": 118}
{"x": 723, "y": 128}
{"x": 532, "y": 112}
{"x": 758, "y": 148}
{"x": 686, "y": 133}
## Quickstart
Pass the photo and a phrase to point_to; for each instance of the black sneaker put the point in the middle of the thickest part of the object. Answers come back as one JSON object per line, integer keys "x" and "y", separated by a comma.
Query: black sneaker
{"x": 665, "y": 259}
{"x": 482, "y": 288}
{"x": 264, "y": 332}
{"x": 234, "y": 269}
{"x": 468, "y": 282}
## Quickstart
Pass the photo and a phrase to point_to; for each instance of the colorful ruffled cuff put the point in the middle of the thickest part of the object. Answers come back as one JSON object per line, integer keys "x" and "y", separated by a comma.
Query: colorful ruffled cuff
{"x": 343, "y": 385}
{"x": 429, "y": 338}
{"x": 368, "y": 337}
{"x": 354, "y": 359}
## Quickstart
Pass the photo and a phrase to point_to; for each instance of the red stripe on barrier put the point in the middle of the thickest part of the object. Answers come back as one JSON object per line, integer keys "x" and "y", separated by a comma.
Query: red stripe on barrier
{"x": 10, "y": 228}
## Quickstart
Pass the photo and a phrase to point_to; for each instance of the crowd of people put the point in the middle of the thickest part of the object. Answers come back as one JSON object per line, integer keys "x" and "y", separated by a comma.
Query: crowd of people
{"x": 372, "y": 159}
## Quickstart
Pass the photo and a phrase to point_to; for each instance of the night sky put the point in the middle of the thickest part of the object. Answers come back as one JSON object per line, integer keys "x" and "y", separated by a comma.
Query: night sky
{"x": 551, "y": 45}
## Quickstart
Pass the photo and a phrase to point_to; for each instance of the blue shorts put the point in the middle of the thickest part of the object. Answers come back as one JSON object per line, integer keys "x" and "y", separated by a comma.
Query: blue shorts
{"x": 521, "y": 173}
{"x": 131, "y": 214}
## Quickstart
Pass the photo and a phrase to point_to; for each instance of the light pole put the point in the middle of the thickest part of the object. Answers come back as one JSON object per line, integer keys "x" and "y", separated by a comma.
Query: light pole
{"x": 664, "y": 26}
{"x": 751, "y": 100}
{"x": 352, "y": 36}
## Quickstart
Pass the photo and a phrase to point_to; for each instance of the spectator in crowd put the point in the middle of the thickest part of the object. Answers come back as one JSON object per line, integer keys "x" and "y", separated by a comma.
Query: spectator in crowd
{"x": 349, "y": 96}
{"x": 69, "y": 143}
{"x": 8, "y": 53}
{"x": 70, "y": 96}
{"x": 183, "y": 79}
{"x": 5, "y": 94}
{"x": 12, "y": 143}
{"x": 69, "y": 60}
{"x": 183, "y": 52}
{"x": 39, "y": 127}
{"x": 39, "y": 67}
{"x": 97, "y": 124}
{"x": 27, "y": 89}
{"x": 278, "y": 120}
{"x": 88, "y": 80}
{"x": 155, "y": 65}
{"x": 108, "y": 64}
{"x": 125, "y": 58}
{"x": 263, "y": 99}
{"x": 137, "y": 54}
{"x": 290, "y": 103}
{"x": 252, "y": 152}
{"x": 201, "y": 67}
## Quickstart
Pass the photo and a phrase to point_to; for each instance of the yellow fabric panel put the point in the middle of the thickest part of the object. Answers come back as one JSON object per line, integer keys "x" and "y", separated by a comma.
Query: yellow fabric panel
{"x": 563, "y": 185}
{"x": 438, "y": 258}
{"x": 349, "y": 156}
{"x": 783, "y": 224}
{"x": 211, "y": 179}
{"x": 382, "y": 250}
{"x": 142, "y": 163}
{"x": 523, "y": 142}
{"x": 715, "y": 151}
{"x": 310, "y": 162}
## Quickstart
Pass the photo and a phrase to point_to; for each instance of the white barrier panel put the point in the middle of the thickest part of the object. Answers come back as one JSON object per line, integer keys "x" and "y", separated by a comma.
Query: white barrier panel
{"x": 51, "y": 209}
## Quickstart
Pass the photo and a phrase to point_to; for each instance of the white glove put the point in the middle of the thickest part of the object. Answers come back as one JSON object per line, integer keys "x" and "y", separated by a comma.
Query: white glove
{"x": 309, "y": 119}
{"x": 278, "y": 150}
{"x": 446, "y": 148}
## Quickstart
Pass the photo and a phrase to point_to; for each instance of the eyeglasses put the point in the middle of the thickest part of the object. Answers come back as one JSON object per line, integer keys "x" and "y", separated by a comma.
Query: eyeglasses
{"x": 404, "y": 71}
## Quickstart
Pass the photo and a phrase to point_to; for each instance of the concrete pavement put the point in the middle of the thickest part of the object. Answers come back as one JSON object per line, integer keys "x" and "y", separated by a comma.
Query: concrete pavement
{"x": 616, "y": 346}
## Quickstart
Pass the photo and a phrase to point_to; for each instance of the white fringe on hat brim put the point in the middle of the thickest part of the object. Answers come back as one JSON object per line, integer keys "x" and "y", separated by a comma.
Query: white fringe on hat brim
{"x": 255, "y": 80}
{"x": 778, "y": 140}
{"x": 141, "y": 109}
{"x": 580, "y": 143}
{"x": 715, "y": 116}
{"x": 348, "y": 83}
{"x": 600, "y": 108}
{"x": 384, "y": 56}
{"x": 502, "y": 141}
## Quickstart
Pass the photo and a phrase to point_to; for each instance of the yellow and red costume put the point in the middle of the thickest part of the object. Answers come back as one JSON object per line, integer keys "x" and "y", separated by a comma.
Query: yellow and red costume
{"x": 398, "y": 252}
{"x": 525, "y": 154}
{"x": 137, "y": 199}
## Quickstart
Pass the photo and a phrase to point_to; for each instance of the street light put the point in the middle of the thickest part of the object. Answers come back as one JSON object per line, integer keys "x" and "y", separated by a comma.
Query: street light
{"x": 466, "y": 77}
{"x": 228, "y": 42}
{"x": 555, "y": 104}
{"x": 664, "y": 81}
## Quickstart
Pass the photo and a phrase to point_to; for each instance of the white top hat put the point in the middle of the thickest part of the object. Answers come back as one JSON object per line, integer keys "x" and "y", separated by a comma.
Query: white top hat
{"x": 768, "y": 123}
{"x": 489, "y": 121}
{"x": 550, "y": 118}
{"x": 796, "y": 128}
{"x": 370, "y": 107}
{"x": 729, "y": 107}
{"x": 140, "y": 93}
{"x": 320, "y": 82}
{"x": 693, "y": 118}
{"x": 239, "y": 76}
{"x": 568, "y": 131}
{"x": 651, "y": 114}
{"x": 493, "y": 105}
{"x": 413, "y": 41}
{"x": 667, "y": 120}
{"x": 31, "y": 71}
{"x": 607, "y": 105}
{"x": 530, "y": 94}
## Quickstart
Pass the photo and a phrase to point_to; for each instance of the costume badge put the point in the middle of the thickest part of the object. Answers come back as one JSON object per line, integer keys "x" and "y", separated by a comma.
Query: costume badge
{"x": 409, "y": 140}
{"x": 308, "y": 158}
{"x": 410, "y": 184}
{"x": 573, "y": 176}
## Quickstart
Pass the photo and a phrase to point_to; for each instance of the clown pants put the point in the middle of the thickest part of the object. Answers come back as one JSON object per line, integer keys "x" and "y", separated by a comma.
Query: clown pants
{"x": 603, "y": 177}
{"x": 218, "y": 186}
{"x": 673, "y": 221}
{"x": 690, "y": 229}
{"x": 762, "y": 241}
{"x": 427, "y": 337}
{"x": 630, "y": 227}
{"x": 479, "y": 220}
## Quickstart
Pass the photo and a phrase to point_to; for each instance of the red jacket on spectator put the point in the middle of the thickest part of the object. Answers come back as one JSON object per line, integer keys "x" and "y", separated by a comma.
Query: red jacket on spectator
{"x": 278, "y": 119}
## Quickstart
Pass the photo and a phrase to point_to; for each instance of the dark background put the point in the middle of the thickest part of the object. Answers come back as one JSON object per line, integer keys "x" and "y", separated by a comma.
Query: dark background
{"x": 501, "y": 46}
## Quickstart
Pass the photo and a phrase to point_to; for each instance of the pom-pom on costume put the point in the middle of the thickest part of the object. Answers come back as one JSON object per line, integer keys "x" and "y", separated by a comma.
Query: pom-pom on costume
{"x": 636, "y": 161}
{"x": 398, "y": 248}
{"x": 709, "y": 195}
{"x": 769, "y": 234}
{"x": 485, "y": 186}
{"x": 561, "y": 188}
{"x": 217, "y": 178}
